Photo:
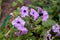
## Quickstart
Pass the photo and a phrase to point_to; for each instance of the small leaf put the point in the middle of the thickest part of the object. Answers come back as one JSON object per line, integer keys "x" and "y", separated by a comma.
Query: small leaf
{"x": 14, "y": 4}
{"x": 6, "y": 20}
{"x": 27, "y": 18}
{"x": 29, "y": 33}
{"x": 18, "y": 8}
{"x": 38, "y": 27}
{"x": 32, "y": 6}
{"x": 38, "y": 21}
{"x": 18, "y": 11}
{"x": 21, "y": 1}
{"x": 48, "y": 23}
{"x": 59, "y": 15}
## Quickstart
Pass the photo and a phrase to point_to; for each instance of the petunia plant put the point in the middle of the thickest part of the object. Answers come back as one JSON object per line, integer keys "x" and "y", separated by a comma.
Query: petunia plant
{"x": 37, "y": 21}
{"x": 31, "y": 22}
{"x": 20, "y": 22}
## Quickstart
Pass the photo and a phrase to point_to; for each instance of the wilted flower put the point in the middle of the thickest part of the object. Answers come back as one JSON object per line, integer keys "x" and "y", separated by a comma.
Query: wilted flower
{"x": 58, "y": 34}
{"x": 34, "y": 13}
{"x": 48, "y": 37}
{"x": 55, "y": 28}
{"x": 24, "y": 11}
{"x": 22, "y": 32}
{"x": 58, "y": 31}
{"x": 18, "y": 22}
{"x": 43, "y": 14}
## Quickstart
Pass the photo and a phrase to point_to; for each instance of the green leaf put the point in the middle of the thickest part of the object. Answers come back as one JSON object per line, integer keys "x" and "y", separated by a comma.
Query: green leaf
{"x": 6, "y": 20}
{"x": 38, "y": 21}
{"x": 18, "y": 8}
{"x": 21, "y": 1}
{"x": 32, "y": 6}
{"x": 59, "y": 14}
{"x": 38, "y": 27}
{"x": 27, "y": 18}
{"x": 29, "y": 33}
{"x": 48, "y": 23}
{"x": 18, "y": 11}
{"x": 14, "y": 4}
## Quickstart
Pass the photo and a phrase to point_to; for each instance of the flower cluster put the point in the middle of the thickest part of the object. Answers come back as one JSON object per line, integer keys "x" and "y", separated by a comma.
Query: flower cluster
{"x": 41, "y": 13}
{"x": 55, "y": 30}
{"x": 24, "y": 11}
{"x": 19, "y": 23}
{"x": 48, "y": 37}
{"x": 34, "y": 13}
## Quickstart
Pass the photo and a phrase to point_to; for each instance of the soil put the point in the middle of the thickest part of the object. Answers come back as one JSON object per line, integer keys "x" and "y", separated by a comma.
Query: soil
{"x": 7, "y": 8}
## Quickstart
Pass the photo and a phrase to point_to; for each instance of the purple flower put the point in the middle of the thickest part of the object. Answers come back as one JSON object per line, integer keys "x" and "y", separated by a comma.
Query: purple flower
{"x": 43, "y": 14}
{"x": 55, "y": 28}
{"x": 24, "y": 11}
{"x": 48, "y": 37}
{"x": 18, "y": 23}
{"x": 23, "y": 31}
{"x": 58, "y": 34}
{"x": 34, "y": 13}
{"x": 39, "y": 9}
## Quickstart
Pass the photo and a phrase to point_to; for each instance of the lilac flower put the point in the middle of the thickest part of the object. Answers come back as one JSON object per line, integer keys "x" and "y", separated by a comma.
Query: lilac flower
{"x": 48, "y": 37}
{"x": 58, "y": 34}
{"x": 18, "y": 23}
{"x": 34, "y": 13}
{"x": 43, "y": 14}
{"x": 39, "y": 9}
{"x": 55, "y": 28}
{"x": 23, "y": 31}
{"x": 24, "y": 11}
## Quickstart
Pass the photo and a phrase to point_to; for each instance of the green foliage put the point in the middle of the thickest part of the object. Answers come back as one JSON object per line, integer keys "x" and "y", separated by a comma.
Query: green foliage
{"x": 18, "y": 11}
{"x": 5, "y": 21}
{"x": 53, "y": 9}
{"x": 48, "y": 23}
{"x": 38, "y": 21}
{"x": 38, "y": 27}
{"x": 32, "y": 6}
{"x": 21, "y": 1}
{"x": 14, "y": 4}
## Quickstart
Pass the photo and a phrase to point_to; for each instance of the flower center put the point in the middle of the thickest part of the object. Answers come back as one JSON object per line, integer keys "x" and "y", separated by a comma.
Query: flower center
{"x": 59, "y": 30}
{"x": 24, "y": 10}
{"x": 40, "y": 14}
{"x": 56, "y": 26}
{"x": 18, "y": 22}
{"x": 33, "y": 12}
{"x": 48, "y": 38}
